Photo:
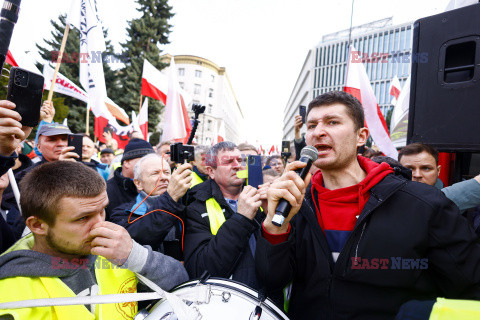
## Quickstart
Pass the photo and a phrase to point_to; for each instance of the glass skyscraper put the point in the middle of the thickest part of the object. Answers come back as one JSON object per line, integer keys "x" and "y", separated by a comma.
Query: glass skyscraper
{"x": 384, "y": 49}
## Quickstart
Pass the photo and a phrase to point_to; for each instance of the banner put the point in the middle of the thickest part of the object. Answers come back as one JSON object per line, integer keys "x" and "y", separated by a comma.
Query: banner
{"x": 63, "y": 85}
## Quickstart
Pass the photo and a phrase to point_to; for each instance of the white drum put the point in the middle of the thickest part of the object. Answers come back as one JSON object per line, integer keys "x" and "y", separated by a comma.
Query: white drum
{"x": 226, "y": 299}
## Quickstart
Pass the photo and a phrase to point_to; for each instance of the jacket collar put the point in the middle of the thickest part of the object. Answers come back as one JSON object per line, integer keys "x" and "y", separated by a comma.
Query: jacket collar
{"x": 125, "y": 183}
{"x": 208, "y": 189}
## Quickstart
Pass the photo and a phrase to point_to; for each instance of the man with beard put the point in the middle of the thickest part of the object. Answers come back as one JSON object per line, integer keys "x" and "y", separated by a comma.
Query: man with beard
{"x": 359, "y": 241}
{"x": 72, "y": 251}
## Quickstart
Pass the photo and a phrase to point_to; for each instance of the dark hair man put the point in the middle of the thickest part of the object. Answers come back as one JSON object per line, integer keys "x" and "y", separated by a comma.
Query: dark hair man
{"x": 121, "y": 188}
{"x": 71, "y": 250}
{"x": 222, "y": 219}
{"x": 106, "y": 156}
{"x": 360, "y": 241}
{"x": 422, "y": 159}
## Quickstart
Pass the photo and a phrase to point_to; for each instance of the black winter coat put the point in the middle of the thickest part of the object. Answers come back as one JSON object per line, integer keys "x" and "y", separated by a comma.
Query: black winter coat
{"x": 430, "y": 251}
{"x": 228, "y": 252}
{"x": 152, "y": 229}
{"x": 120, "y": 190}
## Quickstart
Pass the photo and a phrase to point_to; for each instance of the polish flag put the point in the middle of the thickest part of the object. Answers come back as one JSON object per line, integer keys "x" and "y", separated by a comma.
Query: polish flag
{"x": 142, "y": 119}
{"x": 221, "y": 132}
{"x": 177, "y": 124}
{"x": 395, "y": 89}
{"x": 358, "y": 85}
{"x": 18, "y": 58}
{"x": 272, "y": 149}
{"x": 154, "y": 83}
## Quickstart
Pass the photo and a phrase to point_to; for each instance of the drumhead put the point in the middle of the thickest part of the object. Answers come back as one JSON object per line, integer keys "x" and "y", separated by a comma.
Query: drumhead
{"x": 228, "y": 300}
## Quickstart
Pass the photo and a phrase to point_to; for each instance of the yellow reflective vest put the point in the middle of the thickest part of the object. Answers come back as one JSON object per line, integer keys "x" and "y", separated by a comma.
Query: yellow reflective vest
{"x": 448, "y": 309}
{"x": 195, "y": 179}
{"x": 110, "y": 280}
{"x": 215, "y": 215}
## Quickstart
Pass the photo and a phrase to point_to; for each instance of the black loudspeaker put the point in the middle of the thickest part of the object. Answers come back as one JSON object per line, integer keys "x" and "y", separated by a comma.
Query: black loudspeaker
{"x": 445, "y": 84}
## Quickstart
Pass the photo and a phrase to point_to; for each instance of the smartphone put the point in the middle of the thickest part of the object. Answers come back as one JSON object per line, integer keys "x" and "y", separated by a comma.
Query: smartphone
{"x": 286, "y": 146}
{"x": 303, "y": 112}
{"x": 25, "y": 89}
{"x": 76, "y": 140}
{"x": 254, "y": 167}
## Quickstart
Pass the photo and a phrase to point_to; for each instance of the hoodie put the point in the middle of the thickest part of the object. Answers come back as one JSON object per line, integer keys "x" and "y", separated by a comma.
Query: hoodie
{"x": 79, "y": 274}
{"x": 337, "y": 210}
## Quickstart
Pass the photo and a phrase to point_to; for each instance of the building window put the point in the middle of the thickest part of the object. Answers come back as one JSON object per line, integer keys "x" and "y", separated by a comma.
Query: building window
{"x": 210, "y": 93}
{"x": 213, "y": 78}
{"x": 209, "y": 125}
{"x": 197, "y": 89}
{"x": 210, "y": 107}
{"x": 198, "y": 74}
{"x": 181, "y": 71}
{"x": 182, "y": 85}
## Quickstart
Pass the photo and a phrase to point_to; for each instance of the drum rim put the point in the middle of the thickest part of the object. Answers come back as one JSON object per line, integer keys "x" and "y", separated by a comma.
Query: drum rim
{"x": 226, "y": 283}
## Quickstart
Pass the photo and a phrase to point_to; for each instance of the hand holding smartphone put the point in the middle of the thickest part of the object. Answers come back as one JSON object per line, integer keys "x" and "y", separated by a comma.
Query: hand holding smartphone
{"x": 303, "y": 112}
{"x": 25, "y": 89}
{"x": 76, "y": 140}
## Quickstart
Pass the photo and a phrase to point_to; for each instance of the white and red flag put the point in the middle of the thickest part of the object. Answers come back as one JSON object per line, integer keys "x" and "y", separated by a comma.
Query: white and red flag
{"x": 177, "y": 124}
{"x": 272, "y": 149}
{"x": 18, "y": 58}
{"x": 154, "y": 83}
{"x": 395, "y": 89}
{"x": 140, "y": 122}
{"x": 358, "y": 85}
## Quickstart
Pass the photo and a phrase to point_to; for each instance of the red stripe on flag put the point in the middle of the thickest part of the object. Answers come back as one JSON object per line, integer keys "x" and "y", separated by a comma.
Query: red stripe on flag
{"x": 394, "y": 91}
{"x": 11, "y": 60}
{"x": 151, "y": 91}
{"x": 356, "y": 93}
{"x": 144, "y": 130}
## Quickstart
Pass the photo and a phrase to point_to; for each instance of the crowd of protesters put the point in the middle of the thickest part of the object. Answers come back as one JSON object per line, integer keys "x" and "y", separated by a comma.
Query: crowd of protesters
{"x": 368, "y": 237}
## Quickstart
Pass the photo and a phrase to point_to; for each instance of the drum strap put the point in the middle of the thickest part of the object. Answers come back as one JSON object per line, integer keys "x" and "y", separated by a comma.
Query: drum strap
{"x": 182, "y": 311}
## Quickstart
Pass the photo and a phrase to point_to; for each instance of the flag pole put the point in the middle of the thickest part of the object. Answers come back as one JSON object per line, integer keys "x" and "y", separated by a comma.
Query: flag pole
{"x": 87, "y": 128}
{"x": 59, "y": 61}
{"x": 140, "y": 106}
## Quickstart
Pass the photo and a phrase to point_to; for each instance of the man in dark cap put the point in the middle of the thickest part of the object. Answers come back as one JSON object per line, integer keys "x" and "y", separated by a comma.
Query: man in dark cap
{"x": 52, "y": 139}
{"x": 120, "y": 188}
{"x": 106, "y": 156}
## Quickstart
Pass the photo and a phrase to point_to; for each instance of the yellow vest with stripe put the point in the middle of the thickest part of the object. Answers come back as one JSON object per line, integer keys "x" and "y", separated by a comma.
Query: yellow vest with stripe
{"x": 110, "y": 280}
{"x": 447, "y": 309}
{"x": 215, "y": 215}
{"x": 195, "y": 179}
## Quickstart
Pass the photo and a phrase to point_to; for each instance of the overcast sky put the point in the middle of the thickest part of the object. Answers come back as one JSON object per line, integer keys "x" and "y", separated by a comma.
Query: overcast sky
{"x": 261, "y": 43}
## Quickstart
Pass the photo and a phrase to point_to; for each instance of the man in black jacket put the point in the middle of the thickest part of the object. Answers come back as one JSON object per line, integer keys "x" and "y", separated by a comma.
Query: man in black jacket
{"x": 360, "y": 241}
{"x": 161, "y": 229}
{"x": 120, "y": 188}
{"x": 222, "y": 219}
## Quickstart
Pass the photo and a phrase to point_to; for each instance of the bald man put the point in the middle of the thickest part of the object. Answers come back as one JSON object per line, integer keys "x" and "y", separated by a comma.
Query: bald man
{"x": 159, "y": 229}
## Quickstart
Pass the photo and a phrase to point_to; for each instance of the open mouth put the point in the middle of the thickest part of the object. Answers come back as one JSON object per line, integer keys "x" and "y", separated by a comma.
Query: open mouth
{"x": 323, "y": 148}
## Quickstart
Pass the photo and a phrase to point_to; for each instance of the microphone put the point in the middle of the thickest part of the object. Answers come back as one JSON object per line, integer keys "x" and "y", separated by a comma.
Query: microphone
{"x": 308, "y": 155}
{"x": 8, "y": 18}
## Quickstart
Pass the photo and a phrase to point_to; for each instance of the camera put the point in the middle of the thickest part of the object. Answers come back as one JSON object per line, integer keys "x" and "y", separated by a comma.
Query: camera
{"x": 198, "y": 109}
{"x": 182, "y": 153}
